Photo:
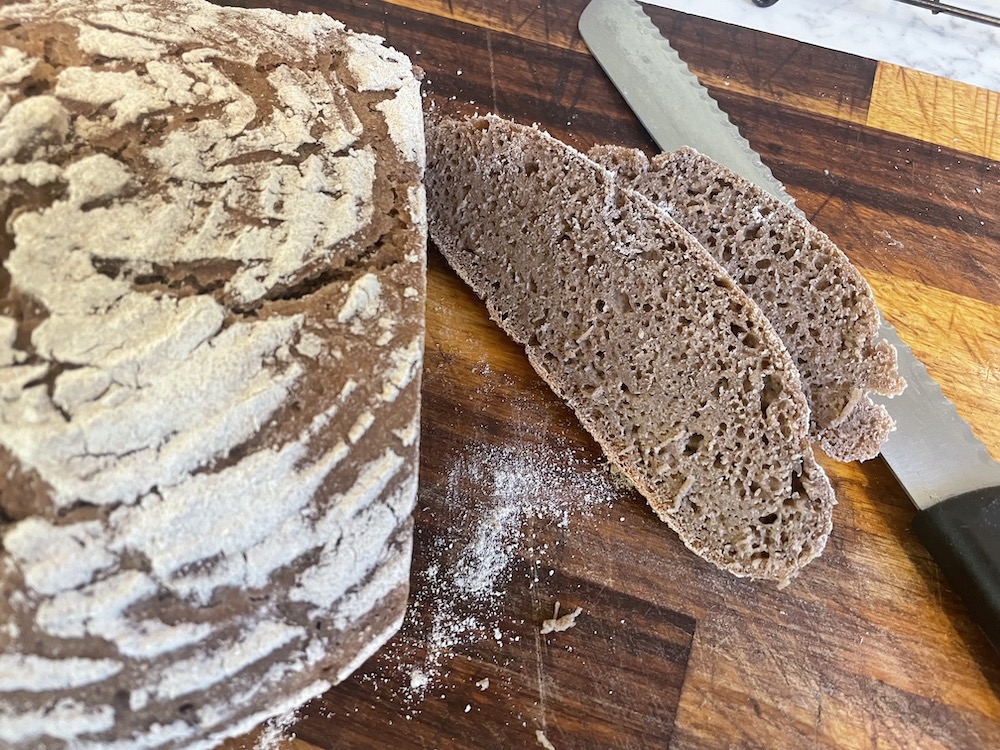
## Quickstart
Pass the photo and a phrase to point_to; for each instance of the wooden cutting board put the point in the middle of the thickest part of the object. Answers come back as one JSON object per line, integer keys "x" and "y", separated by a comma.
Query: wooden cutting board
{"x": 869, "y": 647}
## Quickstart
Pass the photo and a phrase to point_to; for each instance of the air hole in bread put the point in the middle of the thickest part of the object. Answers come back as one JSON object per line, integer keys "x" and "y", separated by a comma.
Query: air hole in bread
{"x": 693, "y": 444}
{"x": 624, "y": 304}
{"x": 798, "y": 489}
{"x": 770, "y": 392}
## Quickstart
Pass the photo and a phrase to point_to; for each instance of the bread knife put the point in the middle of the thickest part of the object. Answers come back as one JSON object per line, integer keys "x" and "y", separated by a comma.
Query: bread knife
{"x": 946, "y": 471}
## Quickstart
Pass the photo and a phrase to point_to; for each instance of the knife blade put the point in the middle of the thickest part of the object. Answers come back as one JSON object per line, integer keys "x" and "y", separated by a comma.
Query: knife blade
{"x": 942, "y": 466}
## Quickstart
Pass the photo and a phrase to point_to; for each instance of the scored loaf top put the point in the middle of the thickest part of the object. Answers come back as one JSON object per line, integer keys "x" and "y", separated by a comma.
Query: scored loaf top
{"x": 162, "y": 166}
{"x": 211, "y": 261}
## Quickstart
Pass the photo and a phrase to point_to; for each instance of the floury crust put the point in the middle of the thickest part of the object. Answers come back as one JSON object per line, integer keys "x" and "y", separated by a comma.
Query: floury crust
{"x": 211, "y": 332}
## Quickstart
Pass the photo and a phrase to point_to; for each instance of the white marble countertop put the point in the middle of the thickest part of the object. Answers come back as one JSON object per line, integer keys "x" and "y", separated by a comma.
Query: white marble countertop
{"x": 878, "y": 29}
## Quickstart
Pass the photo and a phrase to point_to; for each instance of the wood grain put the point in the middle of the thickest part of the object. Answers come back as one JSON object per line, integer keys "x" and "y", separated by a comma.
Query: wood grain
{"x": 958, "y": 339}
{"x": 936, "y": 110}
{"x": 869, "y": 647}
{"x": 734, "y": 61}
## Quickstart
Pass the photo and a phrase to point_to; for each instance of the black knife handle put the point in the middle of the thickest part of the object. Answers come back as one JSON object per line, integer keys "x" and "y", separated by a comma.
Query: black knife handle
{"x": 963, "y": 535}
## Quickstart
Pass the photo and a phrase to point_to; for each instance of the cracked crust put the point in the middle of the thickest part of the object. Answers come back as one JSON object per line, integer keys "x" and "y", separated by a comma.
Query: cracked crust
{"x": 212, "y": 235}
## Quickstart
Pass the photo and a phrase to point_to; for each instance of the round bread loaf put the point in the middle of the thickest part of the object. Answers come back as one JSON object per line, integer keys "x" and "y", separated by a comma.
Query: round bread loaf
{"x": 212, "y": 235}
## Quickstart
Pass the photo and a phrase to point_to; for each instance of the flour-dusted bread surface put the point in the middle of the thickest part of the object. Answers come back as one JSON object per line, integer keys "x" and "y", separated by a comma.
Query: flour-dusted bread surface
{"x": 676, "y": 373}
{"x": 816, "y": 299}
{"x": 212, "y": 234}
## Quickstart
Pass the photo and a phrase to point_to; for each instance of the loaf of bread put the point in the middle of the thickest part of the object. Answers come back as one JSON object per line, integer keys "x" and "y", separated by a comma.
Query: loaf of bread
{"x": 212, "y": 234}
{"x": 817, "y": 301}
{"x": 674, "y": 370}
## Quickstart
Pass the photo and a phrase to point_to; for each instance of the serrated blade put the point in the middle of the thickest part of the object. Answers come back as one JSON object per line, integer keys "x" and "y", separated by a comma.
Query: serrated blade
{"x": 638, "y": 60}
{"x": 947, "y": 472}
{"x": 932, "y": 451}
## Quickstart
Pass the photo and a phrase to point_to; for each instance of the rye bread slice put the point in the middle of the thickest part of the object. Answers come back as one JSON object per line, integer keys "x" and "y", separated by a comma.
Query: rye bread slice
{"x": 817, "y": 301}
{"x": 673, "y": 369}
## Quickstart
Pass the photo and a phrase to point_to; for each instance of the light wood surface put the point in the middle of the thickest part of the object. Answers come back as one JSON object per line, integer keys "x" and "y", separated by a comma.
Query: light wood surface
{"x": 936, "y": 110}
{"x": 868, "y": 648}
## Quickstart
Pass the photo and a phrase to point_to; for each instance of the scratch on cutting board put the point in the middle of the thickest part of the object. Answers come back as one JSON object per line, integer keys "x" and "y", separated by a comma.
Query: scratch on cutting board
{"x": 818, "y": 723}
{"x": 493, "y": 78}
{"x": 542, "y": 678}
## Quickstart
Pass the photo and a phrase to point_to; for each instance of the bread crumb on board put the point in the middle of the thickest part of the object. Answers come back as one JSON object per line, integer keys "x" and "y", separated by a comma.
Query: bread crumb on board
{"x": 498, "y": 493}
{"x": 557, "y": 624}
{"x": 543, "y": 740}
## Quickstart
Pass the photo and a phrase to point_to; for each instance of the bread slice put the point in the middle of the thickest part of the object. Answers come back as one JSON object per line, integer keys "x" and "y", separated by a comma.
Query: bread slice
{"x": 675, "y": 372}
{"x": 814, "y": 297}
